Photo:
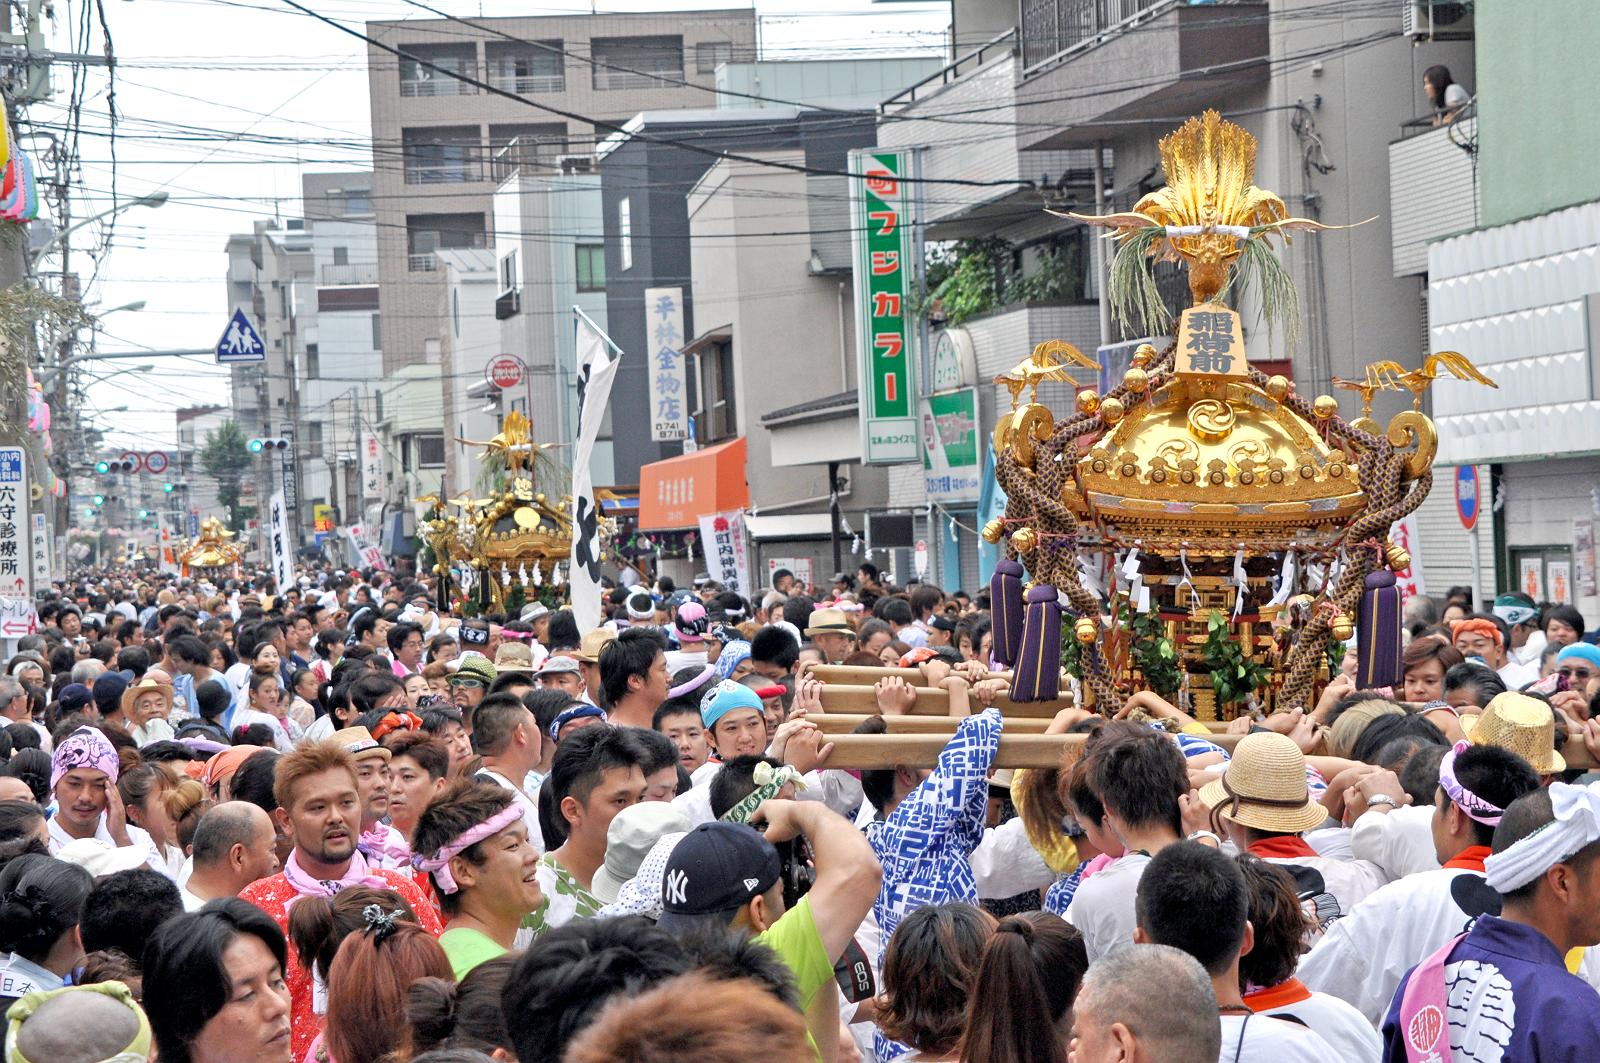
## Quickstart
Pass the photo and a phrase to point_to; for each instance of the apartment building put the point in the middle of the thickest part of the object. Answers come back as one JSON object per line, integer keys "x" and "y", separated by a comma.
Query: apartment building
{"x": 439, "y": 143}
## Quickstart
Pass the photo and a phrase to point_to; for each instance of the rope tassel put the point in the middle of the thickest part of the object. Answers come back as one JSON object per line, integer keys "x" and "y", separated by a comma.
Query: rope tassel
{"x": 1005, "y": 600}
{"x": 1378, "y": 632}
{"x": 1038, "y": 669}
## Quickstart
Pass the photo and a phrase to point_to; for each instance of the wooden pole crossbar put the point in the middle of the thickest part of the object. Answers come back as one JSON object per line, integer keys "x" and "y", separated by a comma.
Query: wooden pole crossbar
{"x": 934, "y": 701}
{"x": 921, "y": 750}
{"x": 859, "y": 674}
{"x": 844, "y": 723}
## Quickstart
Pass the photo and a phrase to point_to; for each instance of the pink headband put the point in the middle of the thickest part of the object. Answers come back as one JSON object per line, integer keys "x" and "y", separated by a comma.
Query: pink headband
{"x": 84, "y": 748}
{"x": 439, "y": 864}
{"x": 517, "y": 636}
{"x": 1476, "y": 808}
{"x": 689, "y": 686}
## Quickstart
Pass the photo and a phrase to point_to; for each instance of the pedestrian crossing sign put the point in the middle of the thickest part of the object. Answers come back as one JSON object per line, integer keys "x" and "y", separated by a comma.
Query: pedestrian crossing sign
{"x": 240, "y": 342}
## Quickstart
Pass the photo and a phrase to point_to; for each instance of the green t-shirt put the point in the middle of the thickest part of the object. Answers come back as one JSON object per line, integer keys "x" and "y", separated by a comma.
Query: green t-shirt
{"x": 798, "y": 943}
{"x": 565, "y": 899}
{"x": 467, "y": 948}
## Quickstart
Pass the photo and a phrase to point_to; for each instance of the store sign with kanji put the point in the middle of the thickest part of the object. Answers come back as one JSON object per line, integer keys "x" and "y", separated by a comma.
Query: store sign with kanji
{"x": 885, "y": 269}
{"x": 669, "y": 378}
{"x": 16, "y": 575}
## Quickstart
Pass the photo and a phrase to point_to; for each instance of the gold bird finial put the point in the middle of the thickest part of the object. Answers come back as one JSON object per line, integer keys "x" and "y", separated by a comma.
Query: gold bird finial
{"x": 1394, "y": 375}
{"x": 1047, "y": 362}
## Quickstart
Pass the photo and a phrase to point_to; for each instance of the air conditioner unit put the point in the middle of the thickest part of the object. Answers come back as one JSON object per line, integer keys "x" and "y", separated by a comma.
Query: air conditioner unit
{"x": 575, "y": 164}
{"x": 1437, "y": 20}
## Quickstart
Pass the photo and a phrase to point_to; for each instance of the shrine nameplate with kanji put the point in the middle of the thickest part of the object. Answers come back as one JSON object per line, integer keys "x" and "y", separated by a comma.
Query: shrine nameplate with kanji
{"x": 1211, "y": 343}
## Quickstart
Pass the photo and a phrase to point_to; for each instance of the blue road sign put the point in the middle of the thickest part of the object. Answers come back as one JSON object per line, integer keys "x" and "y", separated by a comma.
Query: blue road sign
{"x": 240, "y": 342}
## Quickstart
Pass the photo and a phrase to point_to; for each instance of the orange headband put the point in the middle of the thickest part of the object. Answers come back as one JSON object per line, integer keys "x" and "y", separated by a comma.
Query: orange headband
{"x": 1486, "y": 628}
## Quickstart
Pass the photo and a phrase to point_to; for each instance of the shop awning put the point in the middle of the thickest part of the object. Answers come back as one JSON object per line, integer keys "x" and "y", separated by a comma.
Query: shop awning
{"x": 677, "y": 492}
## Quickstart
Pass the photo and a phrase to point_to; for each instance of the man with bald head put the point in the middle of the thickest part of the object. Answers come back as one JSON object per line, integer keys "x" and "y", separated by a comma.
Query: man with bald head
{"x": 234, "y": 845}
{"x": 1146, "y": 1004}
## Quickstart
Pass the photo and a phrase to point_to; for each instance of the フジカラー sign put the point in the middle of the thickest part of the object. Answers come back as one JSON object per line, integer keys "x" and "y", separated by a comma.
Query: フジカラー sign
{"x": 884, "y": 267}
{"x": 669, "y": 385}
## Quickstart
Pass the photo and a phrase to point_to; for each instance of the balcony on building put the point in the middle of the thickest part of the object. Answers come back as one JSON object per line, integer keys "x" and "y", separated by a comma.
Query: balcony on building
{"x": 344, "y": 273}
{"x": 427, "y": 233}
{"x": 526, "y": 68}
{"x": 1433, "y": 187}
{"x": 425, "y": 70}
{"x": 1090, "y": 68}
{"x": 442, "y": 155}
{"x": 525, "y": 150}
{"x": 636, "y": 62}
{"x": 982, "y": 83}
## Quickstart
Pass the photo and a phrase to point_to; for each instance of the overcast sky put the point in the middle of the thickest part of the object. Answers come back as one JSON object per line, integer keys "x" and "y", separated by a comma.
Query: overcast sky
{"x": 194, "y": 73}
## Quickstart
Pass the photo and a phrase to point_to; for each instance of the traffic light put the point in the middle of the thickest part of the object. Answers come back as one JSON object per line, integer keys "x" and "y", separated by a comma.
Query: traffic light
{"x": 89, "y": 511}
{"x": 99, "y": 500}
{"x": 262, "y": 443}
{"x": 144, "y": 514}
{"x": 169, "y": 487}
{"x": 102, "y": 467}
{"x": 114, "y": 468}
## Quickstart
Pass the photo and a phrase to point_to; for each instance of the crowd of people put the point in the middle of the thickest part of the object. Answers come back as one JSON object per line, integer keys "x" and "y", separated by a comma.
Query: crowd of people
{"x": 343, "y": 824}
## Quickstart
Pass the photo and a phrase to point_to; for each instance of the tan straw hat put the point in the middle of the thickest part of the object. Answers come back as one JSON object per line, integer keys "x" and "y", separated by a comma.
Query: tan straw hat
{"x": 829, "y": 622}
{"x": 1347, "y": 729}
{"x": 1265, "y": 787}
{"x": 593, "y": 641}
{"x": 146, "y": 685}
{"x": 1524, "y": 725}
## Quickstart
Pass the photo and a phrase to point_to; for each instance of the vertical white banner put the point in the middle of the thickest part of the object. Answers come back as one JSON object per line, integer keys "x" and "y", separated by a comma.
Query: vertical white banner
{"x": 1406, "y": 537}
{"x": 596, "y": 371}
{"x": 371, "y": 469}
{"x": 16, "y": 574}
{"x": 167, "y": 553}
{"x": 366, "y": 554}
{"x": 280, "y": 545}
{"x": 727, "y": 547}
{"x": 669, "y": 383}
{"x": 39, "y": 548}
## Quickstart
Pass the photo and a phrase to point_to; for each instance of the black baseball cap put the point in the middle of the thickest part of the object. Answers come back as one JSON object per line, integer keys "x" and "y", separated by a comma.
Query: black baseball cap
{"x": 943, "y": 623}
{"x": 713, "y": 872}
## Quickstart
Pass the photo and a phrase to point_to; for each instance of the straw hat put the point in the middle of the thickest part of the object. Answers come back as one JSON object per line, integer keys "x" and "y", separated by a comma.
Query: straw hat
{"x": 514, "y": 657}
{"x": 1347, "y": 729}
{"x": 1524, "y": 725}
{"x": 145, "y": 685}
{"x": 359, "y": 743}
{"x": 828, "y": 622}
{"x": 589, "y": 650}
{"x": 1265, "y": 787}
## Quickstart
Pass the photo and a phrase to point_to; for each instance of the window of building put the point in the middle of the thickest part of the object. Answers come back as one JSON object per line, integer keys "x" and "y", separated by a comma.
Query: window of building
{"x": 708, "y": 54}
{"x": 313, "y": 362}
{"x": 591, "y": 267}
{"x": 377, "y": 333}
{"x": 636, "y": 62}
{"x": 455, "y": 313}
{"x": 358, "y": 201}
{"x": 341, "y": 256}
{"x": 430, "y": 451}
{"x": 312, "y": 438}
{"x": 508, "y": 272}
{"x": 715, "y": 418}
{"x": 625, "y": 232}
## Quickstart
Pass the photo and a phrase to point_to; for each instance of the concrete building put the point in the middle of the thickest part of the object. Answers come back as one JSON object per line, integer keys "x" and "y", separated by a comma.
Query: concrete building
{"x": 1498, "y": 213}
{"x": 471, "y": 338}
{"x": 436, "y": 138}
{"x": 1063, "y": 90}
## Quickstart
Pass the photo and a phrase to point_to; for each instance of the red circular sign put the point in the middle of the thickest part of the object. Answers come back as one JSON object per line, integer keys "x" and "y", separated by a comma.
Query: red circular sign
{"x": 156, "y": 461}
{"x": 504, "y": 371}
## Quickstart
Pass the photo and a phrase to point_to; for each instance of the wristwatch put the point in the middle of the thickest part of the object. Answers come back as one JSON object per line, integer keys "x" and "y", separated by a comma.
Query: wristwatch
{"x": 1382, "y": 799}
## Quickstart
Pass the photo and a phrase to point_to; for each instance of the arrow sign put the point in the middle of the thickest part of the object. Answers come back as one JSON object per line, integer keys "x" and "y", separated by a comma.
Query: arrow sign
{"x": 240, "y": 342}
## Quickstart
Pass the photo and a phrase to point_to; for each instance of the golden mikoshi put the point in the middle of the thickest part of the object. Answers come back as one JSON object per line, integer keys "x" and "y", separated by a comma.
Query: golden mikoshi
{"x": 1201, "y": 499}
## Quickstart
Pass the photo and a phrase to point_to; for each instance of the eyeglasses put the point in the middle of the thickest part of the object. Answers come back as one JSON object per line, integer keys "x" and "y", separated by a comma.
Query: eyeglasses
{"x": 1576, "y": 673}
{"x": 470, "y": 682}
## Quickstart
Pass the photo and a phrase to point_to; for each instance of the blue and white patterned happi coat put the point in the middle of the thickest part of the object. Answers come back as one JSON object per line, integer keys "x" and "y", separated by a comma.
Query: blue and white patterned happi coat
{"x": 926, "y": 843}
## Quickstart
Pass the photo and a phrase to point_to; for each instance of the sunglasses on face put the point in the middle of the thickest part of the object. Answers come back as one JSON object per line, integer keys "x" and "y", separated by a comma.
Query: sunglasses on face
{"x": 1576, "y": 673}
{"x": 465, "y": 681}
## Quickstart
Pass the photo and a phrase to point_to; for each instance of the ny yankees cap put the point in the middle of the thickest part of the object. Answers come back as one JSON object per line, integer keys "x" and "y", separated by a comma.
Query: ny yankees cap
{"x": 712, "y": 873}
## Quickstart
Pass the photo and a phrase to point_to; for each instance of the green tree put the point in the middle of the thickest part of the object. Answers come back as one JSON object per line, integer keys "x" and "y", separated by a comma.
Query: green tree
{"x": 225, "y": 456}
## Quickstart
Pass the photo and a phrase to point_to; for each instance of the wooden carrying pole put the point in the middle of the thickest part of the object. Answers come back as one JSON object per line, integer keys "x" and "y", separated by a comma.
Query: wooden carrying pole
{"x": 1023, "y": 750}
{"x": 865, "y": 674}
{"x": 935, "y": 701}
{"x": 844, "y": 723}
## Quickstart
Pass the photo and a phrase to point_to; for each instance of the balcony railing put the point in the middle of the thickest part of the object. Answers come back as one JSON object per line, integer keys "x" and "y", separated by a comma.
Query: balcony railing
{"x": 526, "y": 155}
{"x": 522, "y": 84}
{"x": 422, "y": 261}
{"x": 999, "y": 45}
{"x": 1433, "y": 190}
{"x": 650, "y": 77}
{"x": 350, "y": 273}
{"x": 452, "y": 171}
{"x": 1051, "y": 28}
{"x": 424, "y": 82}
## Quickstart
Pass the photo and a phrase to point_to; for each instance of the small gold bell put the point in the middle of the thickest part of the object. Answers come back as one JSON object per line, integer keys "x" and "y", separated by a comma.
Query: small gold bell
{"x": 1025, "y": 539}
{"x": 1143, "y": 355}
{"x": 1278, "y": 387}
{"x": 1341, "y": 628}
{"x": 1088, "y": 401}
{"x": 1399, "y": 559}
{"x": 1325, "y": 407}
{"x": 1111, "y": 411}
{"x": 1137, "y": 380}
{"x": 1085, "y": 630}
{"x": 993, "y": 531}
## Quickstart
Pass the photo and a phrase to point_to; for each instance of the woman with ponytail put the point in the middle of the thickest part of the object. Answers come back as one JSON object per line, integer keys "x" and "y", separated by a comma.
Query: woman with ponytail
{"x": 463, "y": 1015}
{"x": 1021, "y": 1003}
{"x": 368, "y": 985}
{"x": 40, "y": 901}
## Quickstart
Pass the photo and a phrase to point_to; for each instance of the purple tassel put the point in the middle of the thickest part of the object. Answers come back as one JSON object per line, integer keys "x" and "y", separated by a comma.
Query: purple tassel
{"x": 1038, "y": 671}
{"x": 1378, "y": 632}
{"x": 1005, "y": 605}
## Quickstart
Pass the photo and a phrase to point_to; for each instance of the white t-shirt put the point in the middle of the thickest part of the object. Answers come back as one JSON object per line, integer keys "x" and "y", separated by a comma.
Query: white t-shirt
{"x": 1103, "y": 908}
{"x": 1258, "y": 1039}
{"x": 1517, "y": 675}
{"x": 138, "y": 838}
{"x": 1400, "y": 840}
{"x": 191, "y": 903}
{"x": 530, "y": 807}
{"x": 1005, "y": 863}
